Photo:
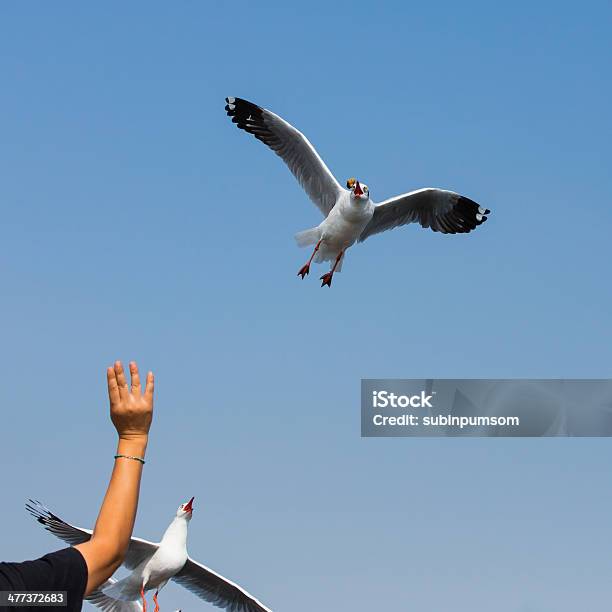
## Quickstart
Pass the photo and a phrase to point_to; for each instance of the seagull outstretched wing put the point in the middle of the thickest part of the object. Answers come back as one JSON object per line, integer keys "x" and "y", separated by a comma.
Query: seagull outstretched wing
{"x": 292, "y": 147}
{"x": 138, "y": 550}
{"x": 441, "y": 210}
{"x": 217, "y": 590}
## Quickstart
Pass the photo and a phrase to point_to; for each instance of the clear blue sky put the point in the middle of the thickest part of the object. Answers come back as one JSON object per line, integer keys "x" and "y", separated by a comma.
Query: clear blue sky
{"x": 139, "y": 223}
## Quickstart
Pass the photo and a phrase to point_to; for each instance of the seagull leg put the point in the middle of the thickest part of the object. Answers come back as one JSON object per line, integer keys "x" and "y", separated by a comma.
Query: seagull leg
{"x": 156, "y": 602}
{"x": 327, "y": 278}
{"x": 144, "y": 601}
{"x": 304, "y": 270}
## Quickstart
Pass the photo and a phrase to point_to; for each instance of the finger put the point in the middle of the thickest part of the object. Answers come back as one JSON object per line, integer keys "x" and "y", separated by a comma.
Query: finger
{"x": 150, "y": 387}
{"x": 121, "y": 382}
{"x": 113, "y": 389}
{"x": 135, "y": 378}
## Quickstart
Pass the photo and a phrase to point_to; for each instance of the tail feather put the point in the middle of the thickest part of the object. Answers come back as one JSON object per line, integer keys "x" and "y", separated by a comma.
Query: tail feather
{"x": 309, "y": 236}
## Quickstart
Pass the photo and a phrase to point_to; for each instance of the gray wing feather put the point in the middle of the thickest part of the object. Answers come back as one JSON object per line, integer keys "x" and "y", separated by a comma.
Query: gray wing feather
{"x": 138, "y": 550}
{"x": 441, "y": 210}
{"x": 217, "y": 590}
{"x": 110, "y": 604}
{"x": 292, "y": 147}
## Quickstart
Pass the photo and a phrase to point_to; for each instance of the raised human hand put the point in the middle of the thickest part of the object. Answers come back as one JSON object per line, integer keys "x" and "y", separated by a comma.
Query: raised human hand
{"x": 131, "y": 409}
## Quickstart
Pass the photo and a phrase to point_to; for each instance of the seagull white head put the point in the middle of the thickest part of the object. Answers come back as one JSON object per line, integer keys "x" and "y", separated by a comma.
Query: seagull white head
{"x": 359, "y": 191}
{"x": 185, "y": 510}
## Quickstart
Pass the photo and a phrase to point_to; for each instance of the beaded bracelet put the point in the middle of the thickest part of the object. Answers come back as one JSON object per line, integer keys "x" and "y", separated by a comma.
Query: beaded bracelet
{"x": 129, "y": 457}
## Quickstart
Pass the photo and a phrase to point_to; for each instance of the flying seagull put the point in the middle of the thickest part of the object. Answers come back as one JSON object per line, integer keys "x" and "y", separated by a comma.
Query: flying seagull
{"x": 350, "y": 215}
{"x": 153, "y": 565}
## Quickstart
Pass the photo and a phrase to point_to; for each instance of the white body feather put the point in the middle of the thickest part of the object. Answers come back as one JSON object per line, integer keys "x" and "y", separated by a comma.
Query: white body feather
{"x": 340, "y": 229}
{"x": 154, "y": 573}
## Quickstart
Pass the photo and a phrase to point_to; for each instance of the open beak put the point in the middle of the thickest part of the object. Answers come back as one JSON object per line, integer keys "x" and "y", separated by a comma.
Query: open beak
{"x": 189, "y": 505}
{"x": 358, "y": 191}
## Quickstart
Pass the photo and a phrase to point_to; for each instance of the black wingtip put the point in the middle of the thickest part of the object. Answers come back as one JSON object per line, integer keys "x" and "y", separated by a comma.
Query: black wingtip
{"x": 230, "y": 106}
{"x": 41, "y": 513}
{"x": 38, "y": 511}
{"x": 470, "y": 215}
{"x": 250, "y": 118}
{"x": 33, "y": 506}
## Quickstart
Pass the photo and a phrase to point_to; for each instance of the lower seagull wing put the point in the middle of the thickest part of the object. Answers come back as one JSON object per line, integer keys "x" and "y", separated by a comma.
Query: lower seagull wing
{"x": 217, "y": 590}
{"x": 110, "y": 604}
{"x": 442, "y": 211}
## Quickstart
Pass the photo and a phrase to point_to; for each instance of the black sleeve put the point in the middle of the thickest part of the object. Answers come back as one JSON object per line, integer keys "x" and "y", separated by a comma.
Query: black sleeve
{"x": 64, "y": 570}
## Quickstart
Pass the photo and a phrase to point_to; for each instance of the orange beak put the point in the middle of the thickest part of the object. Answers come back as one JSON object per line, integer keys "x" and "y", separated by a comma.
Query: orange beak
{"x": 189, "y": 505}
{"x": 358, "y": 191}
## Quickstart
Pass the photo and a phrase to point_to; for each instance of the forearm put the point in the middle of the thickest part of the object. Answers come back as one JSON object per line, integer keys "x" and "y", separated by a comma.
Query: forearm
{"x": 111, "y": 536}
{"x": 116, "y": 519}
